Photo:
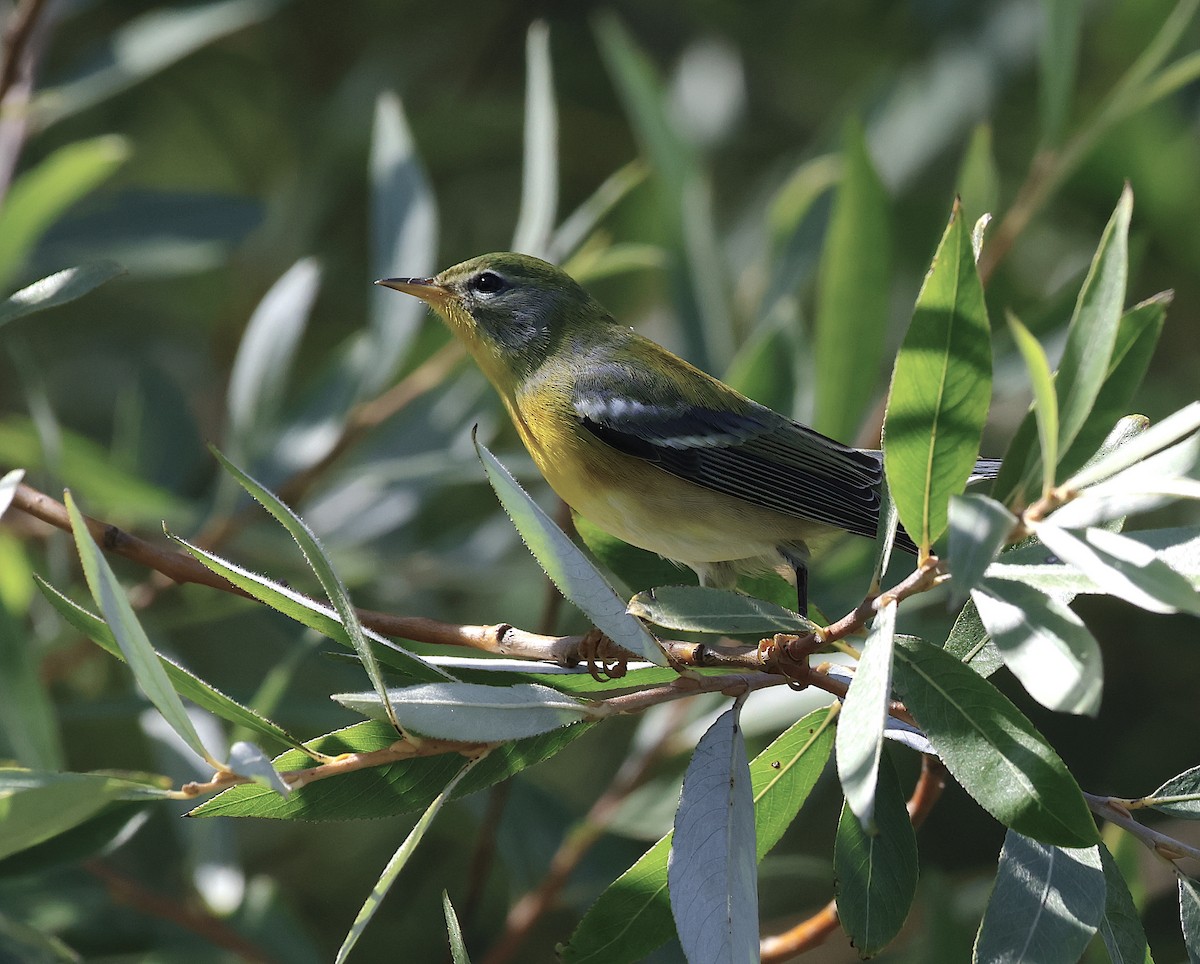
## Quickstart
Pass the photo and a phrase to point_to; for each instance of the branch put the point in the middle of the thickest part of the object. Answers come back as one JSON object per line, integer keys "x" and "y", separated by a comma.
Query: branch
{"x": 818, "y": 928}
{"x": 15, "y": 41}
{"x": 1114, "y": 811}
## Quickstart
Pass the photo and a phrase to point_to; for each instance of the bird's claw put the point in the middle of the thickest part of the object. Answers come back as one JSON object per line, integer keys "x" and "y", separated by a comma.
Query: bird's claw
{"x": 605, "y": 660}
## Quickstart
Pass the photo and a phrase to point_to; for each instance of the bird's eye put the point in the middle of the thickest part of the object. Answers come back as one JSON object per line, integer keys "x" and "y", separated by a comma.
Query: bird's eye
{"x": 487, "y": 283}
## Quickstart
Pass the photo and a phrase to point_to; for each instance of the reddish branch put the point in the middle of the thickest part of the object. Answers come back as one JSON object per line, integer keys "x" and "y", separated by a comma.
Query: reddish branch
{"x": 818, "y": 928}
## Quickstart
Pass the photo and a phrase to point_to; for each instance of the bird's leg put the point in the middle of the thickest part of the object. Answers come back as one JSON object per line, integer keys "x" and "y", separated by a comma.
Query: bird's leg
{"x": 798, "y": 560}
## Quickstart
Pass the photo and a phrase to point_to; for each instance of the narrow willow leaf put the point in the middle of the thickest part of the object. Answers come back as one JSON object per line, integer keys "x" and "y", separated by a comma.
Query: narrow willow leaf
{"x": 978, "y": 182}
{"x": 885, "y": 535}
{"x": 127, "y": 631}
{"x": 875, "y": 875}
{"x": 380, "y": 791}
{"x": 404, "y": 230}
{"x": 852, "y": 293}
{"x": 969, "y": 641}
{"x": 309, "y": 613}
{"x": 145, "y": 45}
{"x": 264, "y": 358}
{"x": 397, "y": 863}
{"x": 472, "y": 712}
{"x": 1122, "y": 567}
{"x": 860, "y": 728}
{"x": 979, "y": 527}
{"x": 1044, "y": 643}
{"x": 186, "y": 684}
{"x": 1179, "y": 796}
{"x": 39, "y": 196}
{"x": 712, "y": 874}
{"x": 568, "y": 568}
{"x": 58, "y": 289}
{"x": 1121, "y": 928}
{"x": 633, "y": 916}
{"x": 940, "y": 391}
{"x": 247, "y": 760}
{"x": 701, "y": 609}
{"x": 29, "y": 719}
{"x": 1189, "y": 915}
{"x": 458, "y": 947}
{"x": 1058, "y": 54}
{"x": 1137, "y": 336}
{"x": 991, "y": 748}
{"x": 581, "y": 222}
{"x": 1045, "y": 402}
{"x": 539, "y": 172}
{"x": 1045, "y": 905}
{"x": 36, "y": 806}
{"x": 315, "y": 556}
{"x": 1092, "y": 332}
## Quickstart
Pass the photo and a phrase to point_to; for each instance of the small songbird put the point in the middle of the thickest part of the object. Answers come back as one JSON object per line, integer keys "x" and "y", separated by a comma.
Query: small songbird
{"x": 649, "y": 448}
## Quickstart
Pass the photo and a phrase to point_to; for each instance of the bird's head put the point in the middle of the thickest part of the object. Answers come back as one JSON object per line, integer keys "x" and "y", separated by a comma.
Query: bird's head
{"x": 510, "y": 309}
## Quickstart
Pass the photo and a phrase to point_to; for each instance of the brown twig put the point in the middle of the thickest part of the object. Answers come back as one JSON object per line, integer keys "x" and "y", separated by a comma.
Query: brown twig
{"x": 815, "y": 930}
{"x": 125, "y": 890}
{"x": 15, "y": 41}
{"x": 526, "y": 912}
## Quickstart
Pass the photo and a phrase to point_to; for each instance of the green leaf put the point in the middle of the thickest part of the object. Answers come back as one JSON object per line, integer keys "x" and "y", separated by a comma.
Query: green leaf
{"x": 633, "y": 916}
{"x": 185, "y": 683}
{"x": 568, "y": 568}
{"x": 969, "y": 642}
{"x": 1092, "y": 333}
{"x": 8, "y": 488}
{"x": 1045, "y": 402}
{"x": 471, "y": 712}
{"x": 399, "y": 859}
{"x": 382, "y": 791}
{"x": 701, "y": 609}
{"x": 1045, "y": 905}
{"x": 1122, "y": 567}
{"x": 458, "y": 947}
{"x": 145, "y": 45}
{"x": 978, "y": 181}
{"x": 711, "y": 873}
{"x": 36, "y": 806}
{"x": 111, "y": 489}
{"x": 979, "y": 527}
{"x": 1121, "y": 928}
{"x": 940, "y": 389}
{"x": 1179, "y": 796}
{"x": 539, "y": 172}
{"x": 581, "y": 222}
{"x": 260, "y": 372}
{"x": 991, "y": 748}
{"x": 1176, "y": 429}
{"x": 135, "y": 646}
{"x": 28, "y": 719}
{"x": 1058, "y": 50}
{"x": 875, "y": 875}
{"x": 1137, "y": 337}
{"x": 315, "y": 556}
{"x": 852, "y": 293}
{"x": 1189, "y": 915}
{"x": 309, "y": 613}
{"x": 864, "y": 712}
{"x": 1044, "y": 643}
{"x": 698, "y": 275}
{"x": 404, "y": 232}
{"x": 58, "y": 289}
{"x": 39, "y": 197}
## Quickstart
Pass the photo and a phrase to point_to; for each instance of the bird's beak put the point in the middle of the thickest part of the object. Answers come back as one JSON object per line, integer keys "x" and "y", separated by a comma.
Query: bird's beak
{"x": 427, "y": 289}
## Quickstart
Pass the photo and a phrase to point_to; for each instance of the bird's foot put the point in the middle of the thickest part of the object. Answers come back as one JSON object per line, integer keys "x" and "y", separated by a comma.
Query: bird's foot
{"x": 605, "y": 659}
{"x": 787, "y": 654}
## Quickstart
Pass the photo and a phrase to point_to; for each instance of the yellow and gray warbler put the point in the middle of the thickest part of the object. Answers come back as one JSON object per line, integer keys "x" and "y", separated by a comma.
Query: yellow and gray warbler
{"x": 649, "y": 448}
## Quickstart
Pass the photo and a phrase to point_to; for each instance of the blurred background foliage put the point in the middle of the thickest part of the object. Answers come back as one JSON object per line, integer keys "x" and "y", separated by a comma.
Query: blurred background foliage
{"x": 212, "y": 149}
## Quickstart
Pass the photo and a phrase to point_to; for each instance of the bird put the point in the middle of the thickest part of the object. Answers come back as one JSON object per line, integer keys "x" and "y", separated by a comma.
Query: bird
{"x": 649, "y": 448}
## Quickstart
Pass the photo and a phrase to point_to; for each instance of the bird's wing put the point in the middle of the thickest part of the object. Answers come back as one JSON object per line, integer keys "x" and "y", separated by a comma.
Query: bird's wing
{"x": 729, "y": 444}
